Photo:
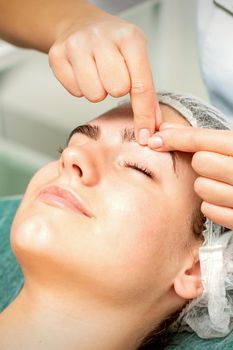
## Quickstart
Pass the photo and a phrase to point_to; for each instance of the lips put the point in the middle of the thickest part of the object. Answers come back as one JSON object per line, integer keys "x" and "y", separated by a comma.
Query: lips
{"x": 64, "y": 198}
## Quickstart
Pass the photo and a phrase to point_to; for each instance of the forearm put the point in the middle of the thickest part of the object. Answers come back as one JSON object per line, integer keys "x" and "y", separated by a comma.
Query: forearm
{"x": 38, "y": 23}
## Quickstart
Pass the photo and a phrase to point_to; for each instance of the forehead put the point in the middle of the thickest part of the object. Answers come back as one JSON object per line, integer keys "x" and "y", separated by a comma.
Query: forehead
{"x": 123, "y": 116}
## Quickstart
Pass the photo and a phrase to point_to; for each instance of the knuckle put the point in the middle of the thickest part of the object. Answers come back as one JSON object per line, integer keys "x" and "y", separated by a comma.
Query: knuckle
{"x": 71, "y": 42}
{"x": 138, "y": 88}
{"x": 132, "y": 31}
{"x": 143, "y": 119}
{"x": 118, "y": 91}
{"x": 75, "y": 40}
{"x": 71, "y": 86}
{"x": 169, "y": 139}
{"x": 53, "y": 55}
{"x": 195, "y": 140}
{"x": 95, "y": 29}
{"x": 96, "y": 97}
{"x": 75, "y": 93}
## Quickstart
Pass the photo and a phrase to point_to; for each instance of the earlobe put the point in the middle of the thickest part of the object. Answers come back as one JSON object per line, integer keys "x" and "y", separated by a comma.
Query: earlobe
{"x": 187, "y": 283}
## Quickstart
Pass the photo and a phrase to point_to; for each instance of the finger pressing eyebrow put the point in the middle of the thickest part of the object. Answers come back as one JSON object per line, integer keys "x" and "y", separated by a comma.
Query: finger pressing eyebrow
{"x": 127, "y": 135}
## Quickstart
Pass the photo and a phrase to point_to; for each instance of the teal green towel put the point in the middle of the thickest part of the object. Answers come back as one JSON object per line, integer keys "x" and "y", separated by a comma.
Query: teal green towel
{"x": 11, "y": 277}
{"x": 190, "y": 341}
{"x": 11, "y": 281}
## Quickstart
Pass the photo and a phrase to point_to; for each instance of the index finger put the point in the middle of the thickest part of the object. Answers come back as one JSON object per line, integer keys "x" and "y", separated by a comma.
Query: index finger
{"x": 188, "y": 139}
{"x": 143, "y": 95}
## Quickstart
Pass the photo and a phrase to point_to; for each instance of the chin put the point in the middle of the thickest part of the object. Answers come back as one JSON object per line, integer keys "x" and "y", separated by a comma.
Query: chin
{"x": 31, "y": 234}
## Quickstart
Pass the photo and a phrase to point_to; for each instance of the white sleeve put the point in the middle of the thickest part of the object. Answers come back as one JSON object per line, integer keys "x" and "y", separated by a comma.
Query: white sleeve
{"x": 215, "y": 40}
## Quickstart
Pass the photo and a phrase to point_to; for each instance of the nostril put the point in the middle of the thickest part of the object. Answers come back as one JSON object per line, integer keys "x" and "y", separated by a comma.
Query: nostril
{"x": 77, "y": 169}
{"x": 61, "y": 164}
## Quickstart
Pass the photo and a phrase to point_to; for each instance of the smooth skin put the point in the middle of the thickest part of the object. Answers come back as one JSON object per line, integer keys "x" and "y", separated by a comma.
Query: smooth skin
{"x": 103, "y": 282}
{"x": 212, "y": 161}
{"x": 92, "y": 53}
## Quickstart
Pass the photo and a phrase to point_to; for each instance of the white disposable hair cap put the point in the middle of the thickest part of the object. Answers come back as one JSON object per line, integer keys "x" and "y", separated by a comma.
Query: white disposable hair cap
{"x": 211, "y": 314}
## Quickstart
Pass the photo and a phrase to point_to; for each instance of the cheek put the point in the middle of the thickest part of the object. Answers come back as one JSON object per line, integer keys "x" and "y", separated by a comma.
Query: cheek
{"x": 133, "y": 206}
{"x": 44, "y": 176}
{"x": 29, "y": 229}
{"x": 137, "y": 231}
{"x": 134, "y": 222}
{"x": 142, "y": 227}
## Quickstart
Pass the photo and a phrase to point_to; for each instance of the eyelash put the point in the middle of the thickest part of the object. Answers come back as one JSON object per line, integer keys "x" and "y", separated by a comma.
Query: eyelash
{"x": 140, "y": 168}
{"x": 128, "y": 164}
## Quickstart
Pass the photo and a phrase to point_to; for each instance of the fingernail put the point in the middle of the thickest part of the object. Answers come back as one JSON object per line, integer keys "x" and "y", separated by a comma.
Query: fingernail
{"x": 155, "y": 142}
{"x": 143, "y": 136}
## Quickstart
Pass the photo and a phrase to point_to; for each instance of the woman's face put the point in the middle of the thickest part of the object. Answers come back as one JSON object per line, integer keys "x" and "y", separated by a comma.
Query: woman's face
{"x": 139, "y": 204}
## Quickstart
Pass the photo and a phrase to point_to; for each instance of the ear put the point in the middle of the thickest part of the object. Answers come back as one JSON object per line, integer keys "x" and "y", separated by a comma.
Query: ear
{"x": 187, "y": 283}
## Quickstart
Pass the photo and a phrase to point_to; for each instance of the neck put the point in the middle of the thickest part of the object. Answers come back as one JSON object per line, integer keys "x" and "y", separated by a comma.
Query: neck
{"x": 46, "y": 320}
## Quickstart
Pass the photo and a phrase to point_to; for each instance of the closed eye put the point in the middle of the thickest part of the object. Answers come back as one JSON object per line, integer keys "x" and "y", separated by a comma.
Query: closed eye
{"x": 139, "y": 168}
{"x": 133, "y": 165}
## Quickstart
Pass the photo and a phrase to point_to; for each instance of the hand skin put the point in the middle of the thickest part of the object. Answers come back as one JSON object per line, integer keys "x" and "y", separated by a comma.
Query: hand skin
{"x": 91, "y": 52}
{"x": 212, "y": 161}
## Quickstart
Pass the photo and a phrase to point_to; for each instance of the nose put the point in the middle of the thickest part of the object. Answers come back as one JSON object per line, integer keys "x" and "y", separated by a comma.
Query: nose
{"x": 79, "y": 164}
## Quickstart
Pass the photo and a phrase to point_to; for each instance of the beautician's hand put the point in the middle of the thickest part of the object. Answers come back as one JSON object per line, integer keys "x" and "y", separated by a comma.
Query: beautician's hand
{"x": 91, "y": 52}
{"x": 103, "y": 54}
{"x": 212, "y": 161}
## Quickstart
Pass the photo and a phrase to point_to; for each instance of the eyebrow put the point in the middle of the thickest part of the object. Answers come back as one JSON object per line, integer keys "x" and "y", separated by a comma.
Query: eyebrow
{"x": 127, "y": 135}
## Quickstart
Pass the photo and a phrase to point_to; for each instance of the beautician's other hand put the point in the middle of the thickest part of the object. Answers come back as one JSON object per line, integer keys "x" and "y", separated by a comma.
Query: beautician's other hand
{"x": 212, "y": 161}
{"x": 101, "y": 54}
